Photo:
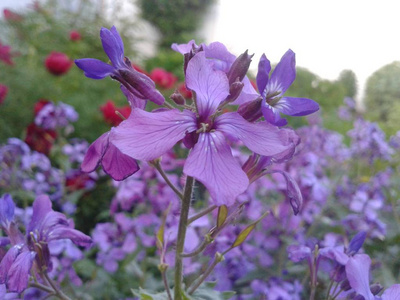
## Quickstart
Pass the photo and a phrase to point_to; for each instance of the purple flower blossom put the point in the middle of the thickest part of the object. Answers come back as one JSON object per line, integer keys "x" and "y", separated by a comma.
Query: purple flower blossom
{"x": 147, "y": 136}
{"x": 121, "y": 69}
{"x": 272, "y": 90}
{"x": 45, "y": 226}
{"x": 53, "y": 116}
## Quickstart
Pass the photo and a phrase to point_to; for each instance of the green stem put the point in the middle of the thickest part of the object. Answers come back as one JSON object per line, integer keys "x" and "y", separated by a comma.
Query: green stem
{"x": 202, "y": 213}
{"x": 187, "y": 194}
{"x": 218, "y": 258}
{"x": 157, "y": 165}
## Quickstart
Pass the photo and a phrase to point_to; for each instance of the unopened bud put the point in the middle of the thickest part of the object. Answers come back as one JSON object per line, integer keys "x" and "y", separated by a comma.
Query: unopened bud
{"x": 141, "y": 85}
{"x": 251, "y": 111}
{"x": 376, "y": 288}
{"x": 345, "y": 285}
{"x": 234, "y": 91}
{"x": 188, "y": 56}
{"x": 178, "y": 98}
{"x": 239, "y": 67}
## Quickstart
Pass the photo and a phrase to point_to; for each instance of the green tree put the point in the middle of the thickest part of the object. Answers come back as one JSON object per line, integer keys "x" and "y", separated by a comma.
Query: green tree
{"x": 382, "y": 92}
{"x": 176, "y": 20}
{"x": 348, "y": 79}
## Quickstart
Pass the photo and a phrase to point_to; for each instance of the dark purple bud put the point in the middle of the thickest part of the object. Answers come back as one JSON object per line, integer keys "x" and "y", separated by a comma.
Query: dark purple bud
{"x": 239, "y": 67}
{"x": 376, "y": 288}
{"x": 358, "y": 297}
{"x": 251, "y": 111}
{"x": 234, "y": 91}
{"x": 356, "y": 243}
{"x": 345, "y": 285}
{"x": 178, "y": 98}
{"x": 140, "y": 85}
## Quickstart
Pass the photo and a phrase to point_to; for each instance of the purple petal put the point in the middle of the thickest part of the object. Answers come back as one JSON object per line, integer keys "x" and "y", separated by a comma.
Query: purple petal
{"x": 261, "y": 137}
{"x": 272, "y": 115}
{"x": 95, "y": 153}
{"x": 41, "y": 207}
{"x": 118, "y": 39}
{"x": 356, "y": 243}
{"x": 64, "y": 232}
{"x": 147, "y": 136}
{"x": 298, "y": 253}
{"x": 118, "y": 165}
{"x": 183, "y": 48}
{"x": 211, "y": 86}
{"x": 94, "y": 68}
{"x": 264, "y": 67}
{"x": 222, "y": 58}
{"x": 112, "y": 48}
{"x": 357, "y": 271}
{"x": 134, "y": 101}
{"x": 335, "y": 253}
{"x": 293, "y": 192}
{"x": 392, "y": 293}
{"x": 211, "y": 162}
{"x": 285, "y": 72}
{"x": 296, "y": 106}
{"x": 18, "y": 275}
{"x": 7, "y": 207}
{"x": 248, "y": 93}
{"x": 7, "y": 261}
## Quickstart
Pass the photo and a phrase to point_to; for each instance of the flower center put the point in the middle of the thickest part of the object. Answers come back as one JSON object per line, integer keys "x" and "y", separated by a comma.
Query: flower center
{"x": 273, "y": 98}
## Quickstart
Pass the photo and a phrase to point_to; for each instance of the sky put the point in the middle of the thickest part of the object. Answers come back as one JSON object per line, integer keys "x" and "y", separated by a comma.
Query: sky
{"x": 327, "y": 36}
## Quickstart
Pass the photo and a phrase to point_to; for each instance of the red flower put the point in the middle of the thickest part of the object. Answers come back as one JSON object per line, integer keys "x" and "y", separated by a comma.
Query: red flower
{"x": 184, "y": 91}
{"x": 11, "y": 16}
{"x": 78, "y": 180}
{"x": 39, "y": 139}
{"x": 139, "y": 69}
{"x": 3, "y": 93}
{"x": 58, "y": 63}
{"x": 5, "y": 54}
{"x": 109, "y": 114}
{"x": 163, "y": 78}
{"x": 75, "y": 35}
{"x": 39, "y": 105}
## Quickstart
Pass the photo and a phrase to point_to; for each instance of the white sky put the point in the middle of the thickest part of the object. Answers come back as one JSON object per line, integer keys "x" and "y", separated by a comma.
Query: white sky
{"x": 327, "y": 36}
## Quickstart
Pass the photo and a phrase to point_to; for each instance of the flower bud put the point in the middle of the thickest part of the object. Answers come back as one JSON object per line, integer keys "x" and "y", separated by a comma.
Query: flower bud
{"x": 140, "y": 85}
{"x": 251, "y": 111}
{"x": 178, "y": 98}
{"x": 58, "y": 63}
{"x": 376, "y": 288}
{"x": 345, "y": 285}
{"x": 75, "y": 35}
{"x": 239, "y": 67}
{"x": 234, "y": 91}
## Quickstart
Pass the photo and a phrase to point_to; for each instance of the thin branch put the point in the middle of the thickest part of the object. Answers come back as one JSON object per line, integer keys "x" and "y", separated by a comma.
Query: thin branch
{"x": 157, "y": 165}
{"x": 202, "y": 213}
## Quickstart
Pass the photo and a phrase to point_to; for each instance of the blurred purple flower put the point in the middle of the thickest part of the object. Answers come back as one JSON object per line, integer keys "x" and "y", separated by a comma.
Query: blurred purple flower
{"x": 121, "y": 69}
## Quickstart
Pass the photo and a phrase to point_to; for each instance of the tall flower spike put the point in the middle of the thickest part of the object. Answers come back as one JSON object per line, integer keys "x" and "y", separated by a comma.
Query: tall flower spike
{"x": 120, "y": 69}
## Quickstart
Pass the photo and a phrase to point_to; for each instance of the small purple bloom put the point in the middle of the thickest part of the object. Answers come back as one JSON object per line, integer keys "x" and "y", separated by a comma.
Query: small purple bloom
{"x": 137, "y": 83}
{"x": 272, "y": 91}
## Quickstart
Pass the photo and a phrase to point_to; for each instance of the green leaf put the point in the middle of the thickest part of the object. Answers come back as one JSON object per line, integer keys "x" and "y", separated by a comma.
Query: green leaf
{"x": 245, "y": 232}
{"x": 147, "y": 295}
{"x": 160, "y": 233}
{"x": 222, "y": 214}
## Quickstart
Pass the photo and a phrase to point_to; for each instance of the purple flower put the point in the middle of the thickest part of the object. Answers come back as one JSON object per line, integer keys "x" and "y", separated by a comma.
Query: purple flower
{"x": 272, "y": 91}
{"x": 45, "y": 226}
{"x": 120, "y": 69}
{"x": 147, "y": 136}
